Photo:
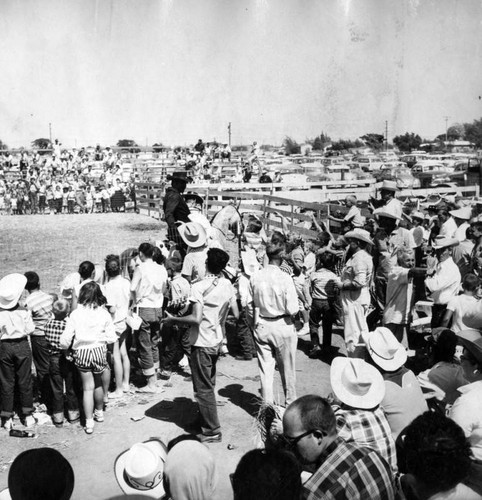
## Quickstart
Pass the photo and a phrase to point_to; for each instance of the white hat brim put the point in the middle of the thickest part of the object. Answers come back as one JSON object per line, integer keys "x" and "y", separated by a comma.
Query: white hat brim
{"x": 202, "y": 235}
{"x": 388, "y": 365}
{"x": 356, "y": 236}
{"x": 370, "y": 400}
{"x": 21, "y": 281}
{"x": 120, "y": 466}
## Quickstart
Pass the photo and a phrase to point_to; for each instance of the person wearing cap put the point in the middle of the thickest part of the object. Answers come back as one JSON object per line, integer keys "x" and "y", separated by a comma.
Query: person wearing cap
{"x": 15, "y": 354}
{"x": 448, "y": 227}
{"x": 358, "y": 391}
{"x": 403, "y": 400}
{"x": 342, "y": 469}
{"x": 195, "y": 238}
{"x": 355, "y": 282}
{"x": 174, "y": 206}
{"x": 272, "y": 304}
{"x": 443, "y": 282}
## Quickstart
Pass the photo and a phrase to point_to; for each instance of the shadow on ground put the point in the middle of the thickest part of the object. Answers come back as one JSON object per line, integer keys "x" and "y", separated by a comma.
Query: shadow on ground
{"x": 247, "y": 401}
{"x": 181, "y": 411}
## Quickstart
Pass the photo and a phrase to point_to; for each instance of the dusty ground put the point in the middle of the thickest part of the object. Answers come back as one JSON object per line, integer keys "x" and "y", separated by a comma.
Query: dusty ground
{"x": 54, "y": 246}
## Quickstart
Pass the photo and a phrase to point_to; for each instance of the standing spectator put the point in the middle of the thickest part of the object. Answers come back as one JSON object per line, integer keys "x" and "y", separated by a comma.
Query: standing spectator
{"x": 195, "y": 238}
{"x": 273, "y": 302}
{"x": 39, "y": 304}
{"x": 148, "y": 286}
{"x": 211, "y": 298}
{"x": 448, "y": 227}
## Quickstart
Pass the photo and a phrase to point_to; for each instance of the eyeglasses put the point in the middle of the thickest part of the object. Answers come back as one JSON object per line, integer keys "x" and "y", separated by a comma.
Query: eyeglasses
{"x": 292, "y": 441}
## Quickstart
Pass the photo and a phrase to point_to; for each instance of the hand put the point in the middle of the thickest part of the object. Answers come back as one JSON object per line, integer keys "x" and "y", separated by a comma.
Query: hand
{"x": 168, "y": 318}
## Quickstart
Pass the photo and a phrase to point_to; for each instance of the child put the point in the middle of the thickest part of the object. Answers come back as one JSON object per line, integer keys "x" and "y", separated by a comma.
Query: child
{"x": 15, "y": 355}
{"x": 89, "y": 329}
{"x": 396, "y": 316}
{"x": 324, "y": 285}
{"x": 254, "y": 237}
{"x": 61, "y": 367}
{"x": 70, "y": 200}
{"x": 461, "y": 304}
{"x": 117, "y": 292}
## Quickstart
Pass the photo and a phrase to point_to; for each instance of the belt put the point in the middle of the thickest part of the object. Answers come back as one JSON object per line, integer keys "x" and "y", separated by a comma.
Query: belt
{"x": 18, "y": 339}
{"x": 275, "y": 317}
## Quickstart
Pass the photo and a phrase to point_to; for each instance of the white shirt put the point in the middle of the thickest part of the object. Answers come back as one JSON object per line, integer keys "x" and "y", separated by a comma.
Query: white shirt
{"x": 467, "y": 412}
{"x": 273, "y": 292}
{"x": 460, "y": 305}
{"x": 149, "y": 284}
{"x": 399, "y": 295}
{"x": 117, "y": 292}
{"x": 15, "y": 324}
{"x": 448, "y": 228}
{"x": 354, "y": 216}
{"x": 461, "y": 231}
{"x": 445, "y": 283}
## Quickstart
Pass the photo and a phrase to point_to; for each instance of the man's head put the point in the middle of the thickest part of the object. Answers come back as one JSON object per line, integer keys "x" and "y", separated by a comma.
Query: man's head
{"x": 350, "y": 201}
{"x": 386, "y": 195}
{"x": 179, "y": 184}
{"x": 387, "y": 223}
{"x": 216, "y": 261}
{"x": 443, "y": 215}
{"x": 33, "y": 281}
{"x": 146, "y": 251}
{"x": 309, "y": 426}
{"x": 406, "y": 257}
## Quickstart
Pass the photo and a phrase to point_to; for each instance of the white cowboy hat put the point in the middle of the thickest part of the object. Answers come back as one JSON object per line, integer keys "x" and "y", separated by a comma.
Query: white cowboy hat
{"x": 464, "y": 213}
{"x": 385, "y": 350}
{"x": 389, "y": 186}
{"x": 356, "y": 383}
{"x": 359, "y": 234}
{"x": 250, "y": 262}
{"x": 140, "y": 469}
{"x": 11, "y": 288}
{"x": 193, "y": 234}
{"x": 444, "y": 242}
{"x": 418, "y": 215}
{"x": 386, "y": 212}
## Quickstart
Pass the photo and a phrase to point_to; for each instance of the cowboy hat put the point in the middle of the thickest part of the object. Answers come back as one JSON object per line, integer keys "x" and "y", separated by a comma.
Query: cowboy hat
{"x": 472, "y": 341}
{"x": 11, "y": 288}
{"x": 464, "y": 213}
{"x": 193, "y": 196}
{"x": 389, "y": 186}
{"x": 386, "y": 211}
{"x": 418, "y": 215}
{"x": 384, "y": 349}
{"x": 193, "y": 234}
{"x": 444, "y": 242}
{"x": 181, "y": 175}
{"x": 356, "y": 383}
{"x": 359, "y": 234}
{"x": 140, "y": 469}
{"x": 250, "y": 262}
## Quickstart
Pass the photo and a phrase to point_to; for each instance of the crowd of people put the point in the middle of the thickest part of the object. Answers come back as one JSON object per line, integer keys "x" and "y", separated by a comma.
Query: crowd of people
{"x": 403, "y": 419}
{"x": 65, "y": 182}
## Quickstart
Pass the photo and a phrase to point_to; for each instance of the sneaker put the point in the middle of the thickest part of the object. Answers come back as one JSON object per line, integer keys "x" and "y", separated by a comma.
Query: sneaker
{"x": 99, "y": 415}
{"x": 210, "y": 438}
{"x": 89, "y": 426}
{"x": 30, "y": 421}
{"x": 184, "y": 362}
{"x": 7, "y": 424}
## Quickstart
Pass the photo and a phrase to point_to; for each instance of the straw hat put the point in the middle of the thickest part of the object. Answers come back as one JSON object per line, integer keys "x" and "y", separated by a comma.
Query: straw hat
{"x": 250, "y": 262}
{"x": 386, "y": 211}
{"x": 385, "y": 350}
{"x": 389, "y": 186}
{"x": 417, "y": 215}
{"x": 11, "y": 288}
{"x": 359, "y": 234}
{"x": 193, "y": 234}
{"x": 472, "y": 341}
{"x": 444, "y": 242}
{"x": 140, "y": 469}
{"x": 356, "y": 383}
{"x": 464, "y": 213}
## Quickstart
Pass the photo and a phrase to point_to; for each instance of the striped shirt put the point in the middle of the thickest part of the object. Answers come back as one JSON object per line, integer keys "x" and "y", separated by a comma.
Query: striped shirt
{"x": 40, "y": 305}
{"x": 368, "y": 428}
{"x": 53, "y": 330}
{"x": 350, "y": 472}
{"x": 324, "y": 284}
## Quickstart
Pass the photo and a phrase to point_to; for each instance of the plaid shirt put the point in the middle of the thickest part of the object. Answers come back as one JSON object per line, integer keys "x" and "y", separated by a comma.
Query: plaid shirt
{"x": 53, "y": 330}
{"x": 349, "y": 472}
{"x": 368, "y": 428}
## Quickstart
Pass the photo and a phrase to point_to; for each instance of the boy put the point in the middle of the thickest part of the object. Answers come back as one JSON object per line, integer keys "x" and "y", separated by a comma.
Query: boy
{"x": 459, "y": 305}
{"x": 15, "y": 355}
{"x": 39, "y": 304}
{"x": 61, "y": 367}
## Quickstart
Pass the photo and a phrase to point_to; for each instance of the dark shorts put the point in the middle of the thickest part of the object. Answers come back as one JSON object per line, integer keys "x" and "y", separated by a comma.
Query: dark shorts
{"x": 91, "y": 360}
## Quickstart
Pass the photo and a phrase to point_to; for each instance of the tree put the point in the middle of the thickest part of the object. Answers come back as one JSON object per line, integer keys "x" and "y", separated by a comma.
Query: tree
{"x": 320, "y": 142}
{"x": 291, "y": 146}
{"x": 345, "y": 145}
{"x": 41, "y": 143}
{"x": 407, "y": 142}
{"x": 373, "y": 141}
{"x": 473, "y": 132}
{"x": 129, "y": 145}
{"x": 158, "y": 147}
{"x": 3, "y": 145}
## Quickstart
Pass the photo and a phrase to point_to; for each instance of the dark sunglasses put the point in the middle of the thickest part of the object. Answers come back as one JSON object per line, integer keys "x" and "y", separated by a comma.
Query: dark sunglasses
{"x": 292, "y": 441}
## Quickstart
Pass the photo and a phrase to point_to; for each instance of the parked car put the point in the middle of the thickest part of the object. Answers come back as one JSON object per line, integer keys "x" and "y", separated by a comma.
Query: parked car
{"x": 402, "y": 175}
{"x": 431, "y": 173}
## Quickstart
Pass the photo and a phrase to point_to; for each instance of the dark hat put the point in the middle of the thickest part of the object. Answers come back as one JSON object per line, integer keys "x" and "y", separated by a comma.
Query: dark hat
{"x": 180, "y": 176}
{"x": 193, "y": 196}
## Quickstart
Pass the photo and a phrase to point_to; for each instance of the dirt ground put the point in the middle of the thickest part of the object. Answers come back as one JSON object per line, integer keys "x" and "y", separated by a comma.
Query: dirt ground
{"x": 54, "y": 246}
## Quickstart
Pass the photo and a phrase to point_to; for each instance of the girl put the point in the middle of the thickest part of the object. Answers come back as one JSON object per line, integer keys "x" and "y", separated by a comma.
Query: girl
{"x": 117, "y": 291}
{"x": 88, "y": 331}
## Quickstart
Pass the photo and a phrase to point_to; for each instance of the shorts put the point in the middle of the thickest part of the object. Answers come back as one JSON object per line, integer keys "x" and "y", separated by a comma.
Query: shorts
{"x": 91, "y": 360}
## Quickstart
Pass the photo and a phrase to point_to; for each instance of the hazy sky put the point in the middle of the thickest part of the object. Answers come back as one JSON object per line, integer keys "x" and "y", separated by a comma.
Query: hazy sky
{"x": 177, "y": 70}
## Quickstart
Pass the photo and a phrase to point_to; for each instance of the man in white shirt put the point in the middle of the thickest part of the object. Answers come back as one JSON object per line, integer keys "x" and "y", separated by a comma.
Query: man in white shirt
{"x": 444, "y": 281}
{"x": 273, "y": 296}
{"x": 461, "y": 217}
{"x": 147, "y": 287}
{"x": 353, "y": 218}
{"x": 448, "y": 227}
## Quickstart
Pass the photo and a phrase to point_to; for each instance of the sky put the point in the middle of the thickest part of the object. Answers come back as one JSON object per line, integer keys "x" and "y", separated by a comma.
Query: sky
{"x": 174, "y": 71}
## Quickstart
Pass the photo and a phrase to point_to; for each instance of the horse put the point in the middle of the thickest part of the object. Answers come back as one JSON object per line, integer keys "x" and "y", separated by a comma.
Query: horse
{"x": 227, "y": 225}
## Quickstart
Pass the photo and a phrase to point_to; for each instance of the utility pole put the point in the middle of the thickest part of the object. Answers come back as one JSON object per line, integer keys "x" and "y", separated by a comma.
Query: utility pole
{"x": 50, "y": 132}
{"x": 446, "y": 118}
{"x": 229, "y": 133}
{"x": 386, "y": 135}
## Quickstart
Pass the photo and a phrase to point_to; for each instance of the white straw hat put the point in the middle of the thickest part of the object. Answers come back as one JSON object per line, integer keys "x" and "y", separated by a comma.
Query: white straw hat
{"x": 464, "y": 213}
{"x": 193, "y": 234}
{"x": 444, "y": 242}
{"x": 385, "y": 350}
{"x": 140, "y": 469}
{"x": 11, "y": 288}
{"x": 356, "y": 383}
{"x": 359, "y": 234}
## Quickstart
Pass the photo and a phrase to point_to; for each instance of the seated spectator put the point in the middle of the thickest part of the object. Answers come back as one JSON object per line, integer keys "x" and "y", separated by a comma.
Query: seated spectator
{"x": 437, "y": 460}
{"x": 403, "y": 400}
{"x": 190, "y": 470}
{"x": 41, "y": 473}
{"x": 267, "y": 475}
{"x": 341, "y": 469}
{"x": 359, "y": 390}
